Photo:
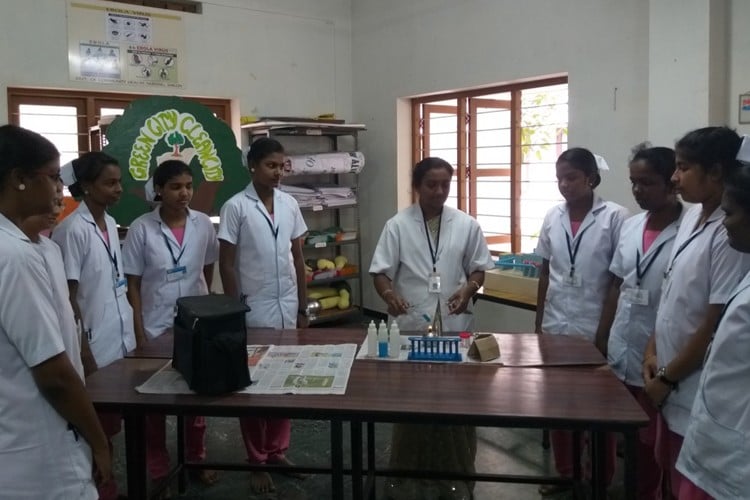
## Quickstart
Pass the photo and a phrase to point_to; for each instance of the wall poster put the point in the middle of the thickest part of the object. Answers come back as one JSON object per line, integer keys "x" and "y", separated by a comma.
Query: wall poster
{"x": 128, "y": 46}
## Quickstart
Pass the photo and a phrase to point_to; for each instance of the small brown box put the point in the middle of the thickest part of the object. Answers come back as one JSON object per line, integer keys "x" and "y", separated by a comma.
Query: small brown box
{"x": 484, "y": 347}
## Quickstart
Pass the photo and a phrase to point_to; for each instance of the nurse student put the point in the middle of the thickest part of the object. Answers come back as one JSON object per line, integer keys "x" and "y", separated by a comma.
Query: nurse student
{"x": 261, "y": 261}
{"x": 430, "y": 254}
{"x": 702, "y": 272}
{"x": 630, "y": 309}
{"x": 577, "y": 241}
{"x": 169, "y": 253}
{"x": 48, "y": 430}
{"x": 95, "y": 272}
{"x": 715, "y": 455}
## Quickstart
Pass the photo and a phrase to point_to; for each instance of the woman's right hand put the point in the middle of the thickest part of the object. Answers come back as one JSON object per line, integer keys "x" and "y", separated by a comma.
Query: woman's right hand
{"x": 396, "y": 304}
{"x": 102, "y": 465}
{"x": 650, "y": 367}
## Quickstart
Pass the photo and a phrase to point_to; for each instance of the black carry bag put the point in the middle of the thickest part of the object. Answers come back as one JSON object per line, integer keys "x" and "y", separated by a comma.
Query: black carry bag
{"x": 210, "y": 342}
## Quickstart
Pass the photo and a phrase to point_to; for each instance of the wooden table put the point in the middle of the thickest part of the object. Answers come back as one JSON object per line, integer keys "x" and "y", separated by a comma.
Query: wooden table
{"x": 517, "y": 349}
{"x": 468, "y": 394}
{"x": 507, "y": 299}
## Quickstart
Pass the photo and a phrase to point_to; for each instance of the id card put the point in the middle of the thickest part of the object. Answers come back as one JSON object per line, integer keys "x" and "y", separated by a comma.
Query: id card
{"x": 574, "y": 280}
{"x": 433, "y": 285}
{"x": 638, "y": 296}
{"x": 176, "y": 273}
{"x": 121, "y": 287}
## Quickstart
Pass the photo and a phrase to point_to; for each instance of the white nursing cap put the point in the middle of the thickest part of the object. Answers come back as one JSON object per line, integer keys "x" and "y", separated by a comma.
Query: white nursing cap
{"x": 601, "y": 163}
{"x": 67, "y": 174}
{"x": 743, "y": 154}
{"x": 149, "y": 190}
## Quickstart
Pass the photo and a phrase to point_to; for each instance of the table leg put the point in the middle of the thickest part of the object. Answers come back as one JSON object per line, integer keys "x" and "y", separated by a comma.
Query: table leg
{"x": 337, "y": 459}
{"x": 135, "y": 455}
{"x": 371, "y": 457}
{"x": 356, "y": 451}
{"x": 576, "y": 450}
{"x": 181, "y": 471}
{"x": 631, "y": 464}
{"x": 598, "y": 465}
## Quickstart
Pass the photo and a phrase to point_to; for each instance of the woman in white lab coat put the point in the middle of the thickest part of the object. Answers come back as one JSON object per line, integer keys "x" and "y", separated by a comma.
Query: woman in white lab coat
{"x": 260, "y": 260}
{"x": 48, "y": 420}
{"x": 577, "y": 241}
{"x": 715, "y": 455}
{"x": 169, "y": 253}
{"x": 94, "y": 268}
{"x": 629, "y": 312}
{"x": 703, "y": 270}
{"x": 430, "y": 254}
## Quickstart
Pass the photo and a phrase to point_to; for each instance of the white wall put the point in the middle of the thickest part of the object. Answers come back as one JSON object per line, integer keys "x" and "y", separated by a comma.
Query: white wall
{"x": 275, "y": 57}
{"x": 402, "y": 49}
{"x": 739, "y": 60}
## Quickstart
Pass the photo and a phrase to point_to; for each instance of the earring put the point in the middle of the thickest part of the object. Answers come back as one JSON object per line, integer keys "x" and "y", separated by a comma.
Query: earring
{"x": 85, "y": 192}
{"x": 21, "y": 187}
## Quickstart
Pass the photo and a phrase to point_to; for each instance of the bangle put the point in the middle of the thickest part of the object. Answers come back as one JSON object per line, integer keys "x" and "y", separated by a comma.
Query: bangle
{"x": 390, "y": 290}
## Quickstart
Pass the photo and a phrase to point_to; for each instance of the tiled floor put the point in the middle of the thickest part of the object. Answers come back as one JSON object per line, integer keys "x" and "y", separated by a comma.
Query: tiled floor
{"x": 515, "y": 451}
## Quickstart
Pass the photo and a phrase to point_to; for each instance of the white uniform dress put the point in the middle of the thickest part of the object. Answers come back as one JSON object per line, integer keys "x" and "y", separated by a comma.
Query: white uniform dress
{"x": 715, "y": 454}
{"x": 98, "y": 269}
{"x": 574, "y": 305}
{"x": 53, "y": 262}
{"x": 40, "y": 457}
{"x": 264, "y": 263}
{"x": 403, "y": 255}
{"x": 639, "y": 297}
{"x": 152, "y": 252}
{"x": 703, "y": 270}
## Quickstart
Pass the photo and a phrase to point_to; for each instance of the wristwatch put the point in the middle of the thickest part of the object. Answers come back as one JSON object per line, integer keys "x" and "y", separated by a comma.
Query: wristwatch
{"x": 661, "y": 374}
{"x": 302, "y": 312}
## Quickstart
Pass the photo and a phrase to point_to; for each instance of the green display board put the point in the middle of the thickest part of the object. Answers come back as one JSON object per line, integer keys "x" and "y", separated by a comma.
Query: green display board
{"x": 156, "y": 129}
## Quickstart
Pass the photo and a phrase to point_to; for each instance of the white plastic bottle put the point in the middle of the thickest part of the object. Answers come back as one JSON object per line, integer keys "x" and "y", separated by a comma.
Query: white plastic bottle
{"x": 394, "y": 339}
{"x": 382, "y": 340}
{"x": 372, "y": 340}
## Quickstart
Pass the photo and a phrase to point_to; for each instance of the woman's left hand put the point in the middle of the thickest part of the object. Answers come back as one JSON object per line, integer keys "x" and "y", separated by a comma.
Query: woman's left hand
{"x": 458, "y": 302}
{"x": 657, "y": 391}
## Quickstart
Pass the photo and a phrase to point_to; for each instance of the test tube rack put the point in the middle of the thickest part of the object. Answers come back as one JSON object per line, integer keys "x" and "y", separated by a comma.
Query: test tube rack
{"x": 426, "y": 348}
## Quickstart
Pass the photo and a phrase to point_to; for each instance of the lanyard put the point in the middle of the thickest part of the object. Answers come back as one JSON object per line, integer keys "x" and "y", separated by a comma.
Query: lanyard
{"x": 176, "y": 260}
{"x": 573, "y": 251}
{"x": 112, "y": 257}
{"x": 640, "y": 274}
{"x": 433, "y": 253}
{"x": 274, "y": 230}
{"x": 684, "y": 246}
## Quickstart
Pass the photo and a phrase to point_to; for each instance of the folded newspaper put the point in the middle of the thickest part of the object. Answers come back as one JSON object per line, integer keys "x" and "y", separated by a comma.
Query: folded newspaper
{"x": 285, "y": 369}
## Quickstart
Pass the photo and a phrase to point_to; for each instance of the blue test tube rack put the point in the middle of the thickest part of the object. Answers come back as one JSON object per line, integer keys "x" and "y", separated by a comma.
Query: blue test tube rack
{"x": 426, "y": 348}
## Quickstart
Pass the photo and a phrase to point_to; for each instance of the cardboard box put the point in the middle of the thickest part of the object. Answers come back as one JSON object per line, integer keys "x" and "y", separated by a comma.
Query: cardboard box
{"x": 484, "y": 347}
{"x": 512, "y": 283}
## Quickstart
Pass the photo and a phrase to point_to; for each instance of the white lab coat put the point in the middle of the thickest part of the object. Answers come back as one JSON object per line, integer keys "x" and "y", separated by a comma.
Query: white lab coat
{"x": 101, "y": 291}
{"x": 145, "y": 254}
{"x": 705, "y": 272}
{"x": 53, "y": 262}
{"x": 634, "y": 322}
{"x": 40, "y": 457}
{"x": 403, "y": 255}
{"x": 576, "y": 310}
{"x": 715, "y": 454}
{"x": 264, "y": 263}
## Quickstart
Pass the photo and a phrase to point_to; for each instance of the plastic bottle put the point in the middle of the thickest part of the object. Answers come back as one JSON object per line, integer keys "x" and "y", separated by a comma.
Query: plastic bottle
{"x": 382, "y": 340}
{"x": 394, "y": 340}
{"x": 372, "y": 340}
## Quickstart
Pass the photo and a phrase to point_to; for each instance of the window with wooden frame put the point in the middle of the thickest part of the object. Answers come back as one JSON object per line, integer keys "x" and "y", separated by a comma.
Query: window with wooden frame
{"x": 503, "y": 143}
{"x": 65, "y": 117}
